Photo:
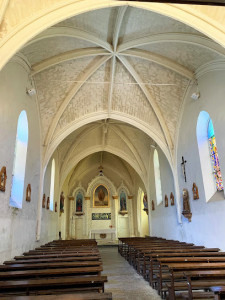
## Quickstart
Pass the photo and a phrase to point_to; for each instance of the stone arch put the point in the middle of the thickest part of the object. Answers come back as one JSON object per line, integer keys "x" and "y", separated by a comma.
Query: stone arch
{"x": 105, "y": 181}
{"x": 49, "y": 15}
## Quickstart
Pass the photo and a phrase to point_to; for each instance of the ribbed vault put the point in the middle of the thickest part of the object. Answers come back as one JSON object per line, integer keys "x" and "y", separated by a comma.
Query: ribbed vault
{"x": 117, "y": 62}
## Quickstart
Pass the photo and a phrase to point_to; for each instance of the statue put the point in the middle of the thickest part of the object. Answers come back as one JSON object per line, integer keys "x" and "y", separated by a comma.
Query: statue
{"x": 195, "y": 192}
{"x": 145, "y": 202}
{"x": 123, "y": 204}
{"x": 186, "y": 206}
{"x": 166, "y": 201}
{"x": 62, "y": 202}
{"x": 153, "y": 205}
{"x": 172, "y": 199}
{"x": 79, "y": 205}
{"x": 48, "y": 203}
{"x": 43, "y": 201}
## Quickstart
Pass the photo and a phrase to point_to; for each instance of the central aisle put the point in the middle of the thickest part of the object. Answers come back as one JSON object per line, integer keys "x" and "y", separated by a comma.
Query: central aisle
{"x": 123, "y": 281}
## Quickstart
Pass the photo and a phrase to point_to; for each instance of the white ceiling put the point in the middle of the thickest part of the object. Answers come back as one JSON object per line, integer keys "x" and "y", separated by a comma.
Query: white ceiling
{"x": 119, "y": 63}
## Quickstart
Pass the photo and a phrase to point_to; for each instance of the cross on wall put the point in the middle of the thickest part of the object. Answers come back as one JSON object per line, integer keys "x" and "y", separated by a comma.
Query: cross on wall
{"x": 183, "y": 168}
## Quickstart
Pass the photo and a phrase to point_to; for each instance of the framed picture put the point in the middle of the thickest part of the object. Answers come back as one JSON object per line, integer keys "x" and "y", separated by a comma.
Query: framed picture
{"x": 101, "y": 216}
{"x": 28, "y": 193}
{"x": 101, "y": 196}
{"x": 3, "y": 178}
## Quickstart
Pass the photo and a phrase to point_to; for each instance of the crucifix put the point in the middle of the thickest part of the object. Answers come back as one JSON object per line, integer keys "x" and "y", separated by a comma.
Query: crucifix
{"x": 183, "y": 168}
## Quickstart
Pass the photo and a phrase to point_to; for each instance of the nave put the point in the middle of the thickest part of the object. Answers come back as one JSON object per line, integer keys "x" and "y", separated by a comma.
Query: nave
{"x": 123, "y": 282}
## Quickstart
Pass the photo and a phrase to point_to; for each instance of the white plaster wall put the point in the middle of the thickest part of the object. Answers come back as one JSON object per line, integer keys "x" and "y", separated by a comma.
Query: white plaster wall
{"x": 163, "y": 219}
{"x": 49, "y": 223}
{"x": 208, "y": 222}
{"x": 18, "y": 226}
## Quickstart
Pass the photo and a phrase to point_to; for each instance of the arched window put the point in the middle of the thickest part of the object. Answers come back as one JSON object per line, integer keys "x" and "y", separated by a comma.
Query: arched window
{"x": 208, "y": 154}
{"x": 158, "y": 185}
{"x": 19, "y": 164}
{"x": 52, "y": 184}
{"x": 214, "y": 157}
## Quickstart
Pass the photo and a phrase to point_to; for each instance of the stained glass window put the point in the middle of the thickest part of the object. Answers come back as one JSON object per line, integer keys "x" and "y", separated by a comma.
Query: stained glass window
{"x": 214, "y": 157}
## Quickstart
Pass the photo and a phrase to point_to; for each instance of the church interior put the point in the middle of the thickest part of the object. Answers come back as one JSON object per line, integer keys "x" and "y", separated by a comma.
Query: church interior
{"x": 112, "y": 124}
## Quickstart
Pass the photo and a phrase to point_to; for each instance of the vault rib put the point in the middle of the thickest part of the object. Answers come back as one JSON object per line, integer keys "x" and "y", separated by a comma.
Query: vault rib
{"x": 71, "y": 32}
{"x": 186, "y": 38}
{"x": 66, "y": 56}
{"x": 151, "y": 101}
{"x": 73, "y": 91}
{"x": 160, "y": 60}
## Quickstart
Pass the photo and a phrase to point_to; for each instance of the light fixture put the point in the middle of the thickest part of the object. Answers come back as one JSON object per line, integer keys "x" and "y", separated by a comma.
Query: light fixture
{"x": 31, "y": 91}
{"x": 100, "y": 170}
{"x": 195, "y": 96}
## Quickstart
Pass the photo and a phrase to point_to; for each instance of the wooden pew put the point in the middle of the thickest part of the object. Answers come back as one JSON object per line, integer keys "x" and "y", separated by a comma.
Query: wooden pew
{"x": 187, "y": 267}
{"x": 55, "y": 268}
{"x": 219, "y": 291}
{"x": 57, "y": 259}
{"x": 82, "y": 296}
{"x": 50, "y": 265}
{"x": 52, "y": 285}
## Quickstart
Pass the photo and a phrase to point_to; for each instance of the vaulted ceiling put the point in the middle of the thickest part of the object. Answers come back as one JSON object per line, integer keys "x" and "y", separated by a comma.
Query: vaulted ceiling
{"x": 117, "y": 63}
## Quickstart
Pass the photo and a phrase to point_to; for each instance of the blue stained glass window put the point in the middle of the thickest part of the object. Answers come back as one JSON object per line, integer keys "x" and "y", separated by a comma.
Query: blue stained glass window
{"x": 214, "y": 157}
{"x": 19, "y": 166}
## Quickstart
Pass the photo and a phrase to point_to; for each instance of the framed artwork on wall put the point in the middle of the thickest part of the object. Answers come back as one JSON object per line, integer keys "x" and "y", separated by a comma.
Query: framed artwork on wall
{"x": 3, "y": 178}
{"x": 101, "y": 196}
{"x": 172, "y": 199}
{"x": 28, "y": 193}
{"x": 43, "y": 201}
{"x": 101, "y": 216}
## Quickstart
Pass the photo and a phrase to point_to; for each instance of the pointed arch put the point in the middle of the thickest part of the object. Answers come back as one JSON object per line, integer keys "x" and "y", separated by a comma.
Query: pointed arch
{"x": 52, "y": 184}
{"x": 20, "y": 158}
{"x": 209, "y": 159}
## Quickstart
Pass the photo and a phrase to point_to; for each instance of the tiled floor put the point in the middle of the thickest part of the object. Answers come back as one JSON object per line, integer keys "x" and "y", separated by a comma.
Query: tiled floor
{"x": 123, "y": 281}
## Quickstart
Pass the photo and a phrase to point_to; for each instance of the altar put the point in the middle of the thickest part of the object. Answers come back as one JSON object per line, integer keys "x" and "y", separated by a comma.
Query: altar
{"x": 103, "y": 235}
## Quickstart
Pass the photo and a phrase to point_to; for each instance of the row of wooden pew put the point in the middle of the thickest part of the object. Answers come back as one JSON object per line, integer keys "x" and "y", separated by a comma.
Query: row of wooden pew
{"x": 176, "y": 269}
{"x": 65, "y": 270}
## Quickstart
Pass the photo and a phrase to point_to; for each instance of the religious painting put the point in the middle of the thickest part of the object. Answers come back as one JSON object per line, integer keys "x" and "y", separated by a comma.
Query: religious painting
{"x": 48, "y": 203}
{"x": 28, "y": 193}
{"x": 195, "y": 192}
{"x": 3, "y": 178}
{"x": 79, "y": 202}
{"x": 55, "y": 206}
{"x": 172, "y": 199}
{"x": 101, "y": 196}
{"x": 101, "y": 216}
{"x": 43, "y": 201}
{"x": 62, "y": 198}
{"x": 123, "y": 201}
{"x": 166, "y": 201}
{"x": 153, "y": 205}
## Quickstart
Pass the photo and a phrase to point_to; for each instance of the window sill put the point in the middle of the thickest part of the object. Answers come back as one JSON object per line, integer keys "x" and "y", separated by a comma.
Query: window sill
{"x": 218, "y": 196}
